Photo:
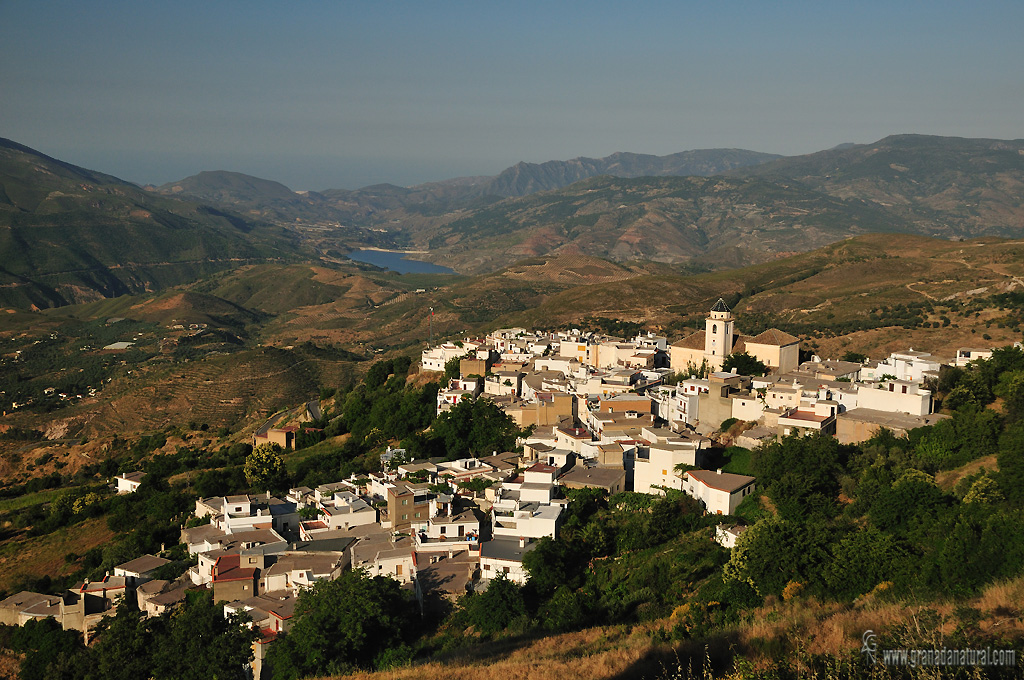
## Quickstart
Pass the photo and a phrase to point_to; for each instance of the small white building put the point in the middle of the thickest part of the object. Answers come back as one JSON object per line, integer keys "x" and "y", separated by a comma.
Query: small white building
{"x": 513, "y": 519}
{"x": 435, "y": 358}
{"x": 895, "y": 396}
{"x": 504, "y": 556}
{"x": 726, "y": 535}
{"x": 911, "y": 365}
{"x": 346, "y": 510}
{"x": 719, "y": 492}
{"x": 654, "y": 468}
{"x": 966, "y": 355}
{"x": 129, "y": 482}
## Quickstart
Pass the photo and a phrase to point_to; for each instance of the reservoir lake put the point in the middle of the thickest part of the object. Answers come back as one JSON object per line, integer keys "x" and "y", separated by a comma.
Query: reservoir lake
{"x": 396, "y": 261}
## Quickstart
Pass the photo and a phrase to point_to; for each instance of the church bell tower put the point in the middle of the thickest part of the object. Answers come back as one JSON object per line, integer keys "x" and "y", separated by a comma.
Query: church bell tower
{"x": 718, "y": 334}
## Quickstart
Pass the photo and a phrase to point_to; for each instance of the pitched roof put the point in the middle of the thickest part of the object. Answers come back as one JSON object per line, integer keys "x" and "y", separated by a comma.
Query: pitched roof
{"x": 723, "y": 481}
{"x": 697, "y": 341}
{"x": 141, "y": 565}
{"x": 773, "y": 336}
{"x": 720, "y": 306}
{"x": 691, "y": 341}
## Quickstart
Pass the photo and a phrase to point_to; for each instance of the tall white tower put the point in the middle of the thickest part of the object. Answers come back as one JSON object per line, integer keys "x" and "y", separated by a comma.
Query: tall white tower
{"x": 718, "y": 335}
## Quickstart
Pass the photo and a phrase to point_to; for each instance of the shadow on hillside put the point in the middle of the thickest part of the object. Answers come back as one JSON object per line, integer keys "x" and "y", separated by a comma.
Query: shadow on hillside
{"x": 490, "y": 651}
{"x": 694, "y": 660}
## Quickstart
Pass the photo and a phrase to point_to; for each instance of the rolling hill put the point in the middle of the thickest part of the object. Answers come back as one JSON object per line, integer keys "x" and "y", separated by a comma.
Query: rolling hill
{"x": 945, "y": 186}
{"x": 68, "y": 234}
{"x": 718, "y": 221}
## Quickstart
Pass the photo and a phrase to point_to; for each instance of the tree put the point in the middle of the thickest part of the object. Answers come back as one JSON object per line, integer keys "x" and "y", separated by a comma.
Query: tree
{"x": 497, "y": 608}
{"x": 264, "y": 468}
{"x": 44, "y": 644}
{"x": 452, "y": 369}
{"x": 1011, "y": 464}
{"x": 552, "y": 564}
{"x": 197, "y": 642}
{"x": 473, "y": 428}
{"x": 342, "y": 624}
{"x": 1011, "y": 388}
{"x": 744, "y": 364}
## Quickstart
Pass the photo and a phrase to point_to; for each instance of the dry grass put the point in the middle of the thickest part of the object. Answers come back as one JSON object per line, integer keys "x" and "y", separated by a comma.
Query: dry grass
{"x": 32, "y": 556}
{"x": 604, "y": 652}
{"x": 803, "y": 625}
{"x": 947, "y": 480}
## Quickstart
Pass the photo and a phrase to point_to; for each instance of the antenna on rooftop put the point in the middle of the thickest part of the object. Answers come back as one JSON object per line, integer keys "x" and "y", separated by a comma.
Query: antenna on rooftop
{"x": 431, "y": 326}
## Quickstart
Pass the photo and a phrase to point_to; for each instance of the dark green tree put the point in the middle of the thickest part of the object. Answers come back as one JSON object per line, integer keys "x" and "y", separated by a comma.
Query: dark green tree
{"x": 44, "y": 643}
{"x": 197, "y": 642}
{"x": 342, "y": 624}
{"x": 496, "y": 609}
{"x": 552, "y": 564}
{"x": 475, "y": 428}
{"x": 744, "y": 364}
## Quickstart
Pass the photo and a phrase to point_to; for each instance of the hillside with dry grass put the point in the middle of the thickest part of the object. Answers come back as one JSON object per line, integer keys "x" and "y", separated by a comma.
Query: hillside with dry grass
{"x": 810, "y": 638}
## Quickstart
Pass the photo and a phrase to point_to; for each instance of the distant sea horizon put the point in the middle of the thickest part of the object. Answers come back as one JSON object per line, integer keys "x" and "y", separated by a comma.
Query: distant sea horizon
{"x": 396, "y": 261}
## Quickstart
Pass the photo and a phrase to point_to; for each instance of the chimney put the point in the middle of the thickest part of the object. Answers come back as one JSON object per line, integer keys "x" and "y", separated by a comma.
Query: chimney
{"x": 522, "y": 542}
{"x": 719, "y": 470}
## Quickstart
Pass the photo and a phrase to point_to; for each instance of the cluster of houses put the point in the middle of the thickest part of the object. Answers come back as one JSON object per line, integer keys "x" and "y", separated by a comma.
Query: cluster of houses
{"x": 604, "y": 383}
{"x": 603, "y": 415}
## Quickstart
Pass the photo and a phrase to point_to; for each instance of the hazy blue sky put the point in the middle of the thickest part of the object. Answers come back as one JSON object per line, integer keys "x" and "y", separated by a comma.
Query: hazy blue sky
{"x": 343, "y": 94}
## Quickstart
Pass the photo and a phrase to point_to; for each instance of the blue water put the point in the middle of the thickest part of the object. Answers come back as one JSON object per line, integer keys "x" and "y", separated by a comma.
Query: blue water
{"x": 397, "y": 262}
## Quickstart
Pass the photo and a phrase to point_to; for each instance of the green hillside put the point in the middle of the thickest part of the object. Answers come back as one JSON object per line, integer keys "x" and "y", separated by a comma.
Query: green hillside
{"x": 947, "y": 186}
{"x": 68, "y": 234}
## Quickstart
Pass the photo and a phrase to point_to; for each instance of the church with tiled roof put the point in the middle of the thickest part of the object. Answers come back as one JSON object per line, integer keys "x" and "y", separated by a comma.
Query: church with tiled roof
{"x": 778, "y": 350}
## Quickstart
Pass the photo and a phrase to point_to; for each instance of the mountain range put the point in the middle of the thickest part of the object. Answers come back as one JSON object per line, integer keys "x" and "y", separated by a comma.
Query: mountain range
{"x": 69, "y": 234}
{"x": 261, "y": 198}
{"x": 937, "y": 186}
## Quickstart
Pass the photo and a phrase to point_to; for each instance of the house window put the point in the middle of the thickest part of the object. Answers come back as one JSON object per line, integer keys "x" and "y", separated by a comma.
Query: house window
{"x": 398, "y": 570}
{"x": 406, "y": 516}
{"x": 405, "y": 501}
{"x": 417, "y": 515}
{"x": 904, "y": 389}
{"x": 487, "y": 567}
{"x": 504, "y": 570}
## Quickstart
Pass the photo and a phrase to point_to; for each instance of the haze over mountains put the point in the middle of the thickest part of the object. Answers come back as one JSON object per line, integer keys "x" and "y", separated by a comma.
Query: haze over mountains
{"x": 68, "y": 234}
{"x": 272, "y": 199}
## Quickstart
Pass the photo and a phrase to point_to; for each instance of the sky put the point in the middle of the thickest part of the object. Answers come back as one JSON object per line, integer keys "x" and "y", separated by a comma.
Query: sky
{"x": 344, "y": 94}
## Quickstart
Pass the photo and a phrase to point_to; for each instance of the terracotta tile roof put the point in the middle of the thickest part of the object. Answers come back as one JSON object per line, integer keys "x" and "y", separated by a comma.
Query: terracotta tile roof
{"x": 773, "y": 336}
{"x": 692, "y": 341}
{"x": 697, "y": 341}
